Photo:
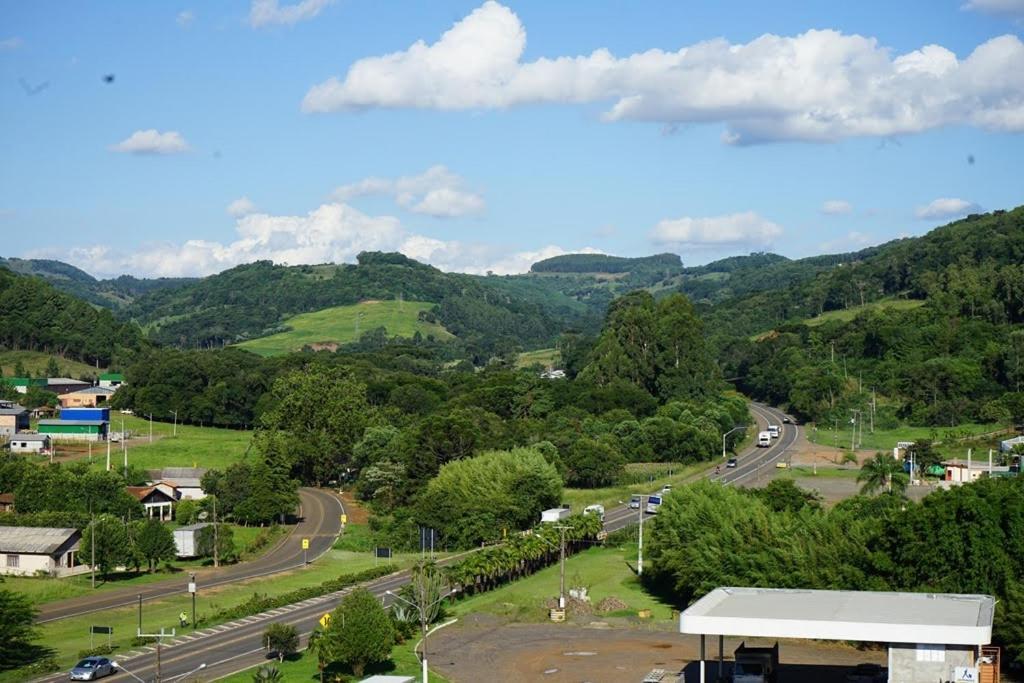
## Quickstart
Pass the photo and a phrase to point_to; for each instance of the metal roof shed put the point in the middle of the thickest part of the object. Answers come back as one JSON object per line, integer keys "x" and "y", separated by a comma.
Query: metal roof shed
{"x": 955, "y": 624}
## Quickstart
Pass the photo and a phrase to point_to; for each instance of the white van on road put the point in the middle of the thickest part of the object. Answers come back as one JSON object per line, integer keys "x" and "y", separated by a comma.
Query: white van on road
{"x": 774, "y": 430}
{"x": 764, "y": 439}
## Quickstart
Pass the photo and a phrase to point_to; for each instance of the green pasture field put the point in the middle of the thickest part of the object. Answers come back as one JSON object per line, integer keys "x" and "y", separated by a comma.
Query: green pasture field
{"x": 848, "y": 314}
{"x": 886, "y": 439}
{"x": 36, "y": 361}
{"x": 545, "y": 357}
{"x": 343, "y": 324}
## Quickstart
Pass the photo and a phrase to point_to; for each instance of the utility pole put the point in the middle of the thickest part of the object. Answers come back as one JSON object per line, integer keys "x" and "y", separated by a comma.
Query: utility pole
{"x": 853, "y": 432}
{"x": 216, "y": 535}
{"x": 92, "y": 540}
{"x": 175, "y": 422}
{"x": 151, "y": 427}
{"x": 872, "y": 410}
{"x": 561, "y": 569}
{"x": 640, "y": 542}
{"x": 108, "y": 452}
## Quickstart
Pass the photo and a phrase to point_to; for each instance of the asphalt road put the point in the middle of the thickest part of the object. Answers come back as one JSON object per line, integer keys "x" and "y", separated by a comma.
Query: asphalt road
{"x": 235, "y": 646}
{"x": 320, "y": 522}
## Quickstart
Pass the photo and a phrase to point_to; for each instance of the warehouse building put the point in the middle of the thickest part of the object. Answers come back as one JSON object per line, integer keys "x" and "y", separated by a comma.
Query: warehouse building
{"x": 89, "y": 397}
{"x": 102, "y": 414}
{"x": 65, "y": 385}
{"x": 931, "y": 636}
{"x": 21, "y": 384}
{"x": 25, "y": 550}
{"x": 30, "y": 443}
{"x": 111, "y": 380}
{"x": 13, "y": 419}
{"x": 74, "y": 430}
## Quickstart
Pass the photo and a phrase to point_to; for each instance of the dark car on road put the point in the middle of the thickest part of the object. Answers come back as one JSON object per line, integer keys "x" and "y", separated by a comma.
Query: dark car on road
{"x": 91, "y": 668}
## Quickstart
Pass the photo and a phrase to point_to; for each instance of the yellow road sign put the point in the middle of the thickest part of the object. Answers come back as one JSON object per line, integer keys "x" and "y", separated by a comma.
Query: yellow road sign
{"x": 325, "y": 620}
{"x": 305, "y": 544}
{"x": 344, "y": 519}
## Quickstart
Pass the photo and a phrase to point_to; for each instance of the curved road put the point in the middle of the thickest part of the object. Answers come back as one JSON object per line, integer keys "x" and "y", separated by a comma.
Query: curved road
{"x": 320, "y": 521}
{"x": 235, "y": 646}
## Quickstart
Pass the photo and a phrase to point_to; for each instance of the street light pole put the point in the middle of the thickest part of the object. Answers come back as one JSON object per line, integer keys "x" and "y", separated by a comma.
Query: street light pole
{"x": 422, "y": 610}
{"x": 175, "y": 422}
{"x": 734, "y": 429}
{"x": 640, "y": 542}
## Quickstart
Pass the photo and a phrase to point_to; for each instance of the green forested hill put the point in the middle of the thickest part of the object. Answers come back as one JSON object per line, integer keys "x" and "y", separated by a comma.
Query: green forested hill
{"x": 113, "y": 293}
{"x": 488, "y": 314}
{"x": 34, "y": 316}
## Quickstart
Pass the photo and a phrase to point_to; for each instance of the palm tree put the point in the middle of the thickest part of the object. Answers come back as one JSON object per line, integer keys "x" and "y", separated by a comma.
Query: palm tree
{"x": 883, "y": 472}
{"x": 268, "y": 673}
{"x": 319, "y": 646}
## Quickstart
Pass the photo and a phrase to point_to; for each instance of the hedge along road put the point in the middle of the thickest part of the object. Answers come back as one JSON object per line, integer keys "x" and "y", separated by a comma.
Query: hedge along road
{"x": 235, "y": 646}
{"x": 320, "y": 521}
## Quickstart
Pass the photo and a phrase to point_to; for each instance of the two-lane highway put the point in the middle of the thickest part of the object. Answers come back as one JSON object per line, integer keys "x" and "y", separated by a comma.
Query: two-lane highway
{"x": 320, "y": 522}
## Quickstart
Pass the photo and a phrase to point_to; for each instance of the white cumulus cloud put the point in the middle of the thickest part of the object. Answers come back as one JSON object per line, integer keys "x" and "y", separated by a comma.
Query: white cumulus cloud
{"x": 331, "y": 233}
{"x": 821, "y": 85}
{"x": 747, "y": 228}
{"x": 436, "y": 192}
{"x": 242, "y": 206}
{"x": 945, "y": 207}
{"x": 152, "y": 142}
{"x": 185, "y": 18}
{"x": 269, "y": 12}
{"x": 836, "y": 206}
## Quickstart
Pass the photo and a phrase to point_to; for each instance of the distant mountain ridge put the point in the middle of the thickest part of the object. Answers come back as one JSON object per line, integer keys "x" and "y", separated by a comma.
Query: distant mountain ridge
{"x": 113, "y": 293}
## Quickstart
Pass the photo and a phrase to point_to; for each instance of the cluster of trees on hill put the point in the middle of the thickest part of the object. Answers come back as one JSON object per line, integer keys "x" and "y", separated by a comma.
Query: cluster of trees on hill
{"x": 965, "y": 540}
{"x": 252, "y": 300}
{"x": 36, "y": 317}
{"x": 602, "y": 263}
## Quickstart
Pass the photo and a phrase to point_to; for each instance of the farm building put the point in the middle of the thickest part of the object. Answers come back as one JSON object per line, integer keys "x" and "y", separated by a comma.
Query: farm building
{"x": 101, "y": 414}
{"x": 13, "y": 418}
{"x": 30, "y": 443}
{"x": 186, "y": 539}
{"x": 187, "y": 480}
{"x": 111, "y": 380}
{"x": 157, "y": 501}
{"x": 25, "y": 550}
{"x": 21, "y": 384}
{"x": 65, "y": 385}
{"x": 90, "y": 397}
{"x": 74, "y": 430}
{"x": 1007, "y": 445}
{"x": 6, "y": 502}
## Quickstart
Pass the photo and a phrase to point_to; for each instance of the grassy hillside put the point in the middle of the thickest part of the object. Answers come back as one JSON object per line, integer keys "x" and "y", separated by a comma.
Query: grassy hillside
{"x": 545, "y": 357}
{"x": 852, "y": 312}
{"x": 36, "y": 362}
{"x": 343, "y": 324}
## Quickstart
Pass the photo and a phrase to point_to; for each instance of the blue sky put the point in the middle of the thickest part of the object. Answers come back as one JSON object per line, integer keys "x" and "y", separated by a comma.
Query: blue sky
{"x": 482, "y": 136}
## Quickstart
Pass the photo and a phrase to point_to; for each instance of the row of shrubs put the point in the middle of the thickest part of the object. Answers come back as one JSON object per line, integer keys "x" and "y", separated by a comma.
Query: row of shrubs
{"x": 261, "y": 602}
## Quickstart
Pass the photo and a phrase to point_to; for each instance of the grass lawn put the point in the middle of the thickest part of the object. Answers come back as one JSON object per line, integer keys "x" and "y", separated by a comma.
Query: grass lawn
{"x": 41, "y": 590}
{"x": 606, "y": 572}
{"x": 820, "y": 472}
{"x": 848, "y": 314}
{"x": 194, "y": 446}
{"x": 303, "y": 667}
{"x": 342, "y": 324}
{"x": 36, "y": 362}
{"x": 886, "y": 439}
{"x": 611, "y": 495}
{"x": 69, "y": 636}
{"x": 545, "y": 357}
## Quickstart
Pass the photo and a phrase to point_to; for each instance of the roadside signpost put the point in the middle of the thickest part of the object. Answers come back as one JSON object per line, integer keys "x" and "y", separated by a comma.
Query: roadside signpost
{"x": 93, "y": 630}
{"x": 192, "y": 590}
{"x": 305, "y": 549}
{"x": 325, "y": 620}
{"x": 344, "y": 520}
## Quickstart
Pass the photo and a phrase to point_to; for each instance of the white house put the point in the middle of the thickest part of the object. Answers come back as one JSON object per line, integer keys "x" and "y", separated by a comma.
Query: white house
{"x": 30, "y": 443}
{"x": 27, "y": 550}
{"x": 157, "y": 501}
{"x": 187, "y": 480}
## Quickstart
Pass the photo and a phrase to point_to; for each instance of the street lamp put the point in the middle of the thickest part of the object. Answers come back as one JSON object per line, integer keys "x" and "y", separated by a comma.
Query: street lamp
{"x": 422, "y": 610}
{"x": 120, "y": 667}
{"x": 734, "y": 429}
{"x": 640, "y": 540}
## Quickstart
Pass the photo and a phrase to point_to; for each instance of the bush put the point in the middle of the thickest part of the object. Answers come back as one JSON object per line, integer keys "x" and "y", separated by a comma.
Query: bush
{"x": 43, "y": 666}
{"x": 139, "y": 641}
{"x": 97, "y": 651}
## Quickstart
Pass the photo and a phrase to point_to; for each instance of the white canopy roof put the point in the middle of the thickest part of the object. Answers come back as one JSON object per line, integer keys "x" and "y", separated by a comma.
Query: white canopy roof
{"x": 938, "y": 618}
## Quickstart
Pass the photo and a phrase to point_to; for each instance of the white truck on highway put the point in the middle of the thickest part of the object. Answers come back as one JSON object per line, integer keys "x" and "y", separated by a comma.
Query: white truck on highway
{"x": 555, "y": 514}
{"x": 774, "y": 430}
{"x": 764, "y": 439}
{"x": 595, "y": 510}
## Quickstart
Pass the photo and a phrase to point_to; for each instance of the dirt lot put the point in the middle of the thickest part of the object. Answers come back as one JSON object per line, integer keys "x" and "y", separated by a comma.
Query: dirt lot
{"x": 482, "y": 648}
